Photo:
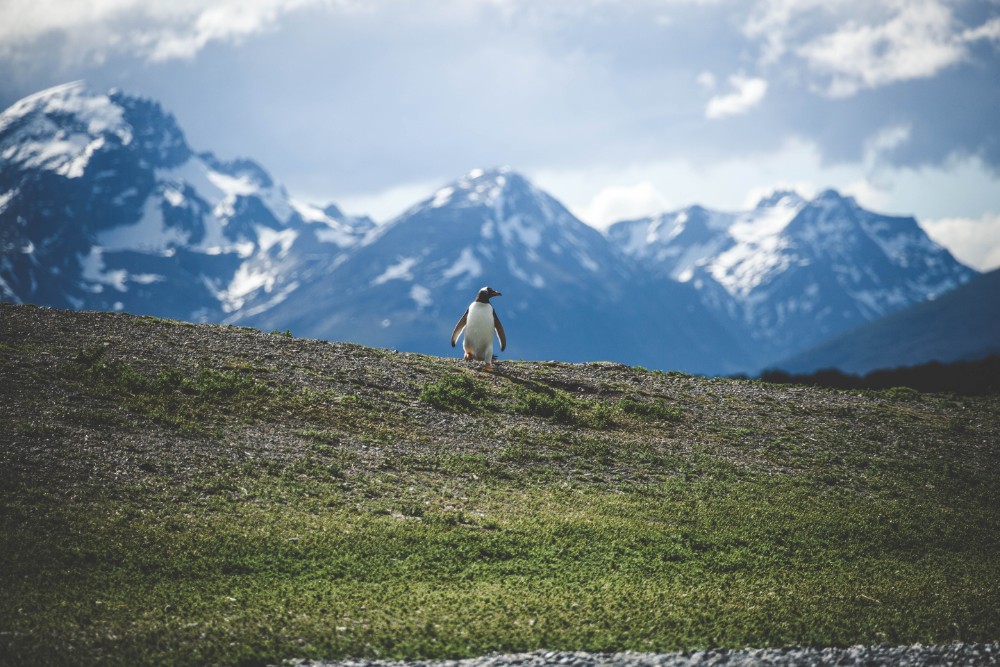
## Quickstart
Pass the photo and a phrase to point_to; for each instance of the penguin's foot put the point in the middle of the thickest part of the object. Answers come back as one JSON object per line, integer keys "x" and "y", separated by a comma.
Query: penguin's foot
{"x": 468, "y": 356}
{"x": 488, "y": 367}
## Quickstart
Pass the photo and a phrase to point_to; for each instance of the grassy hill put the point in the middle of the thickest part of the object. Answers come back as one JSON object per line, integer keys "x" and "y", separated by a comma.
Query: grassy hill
{"x": 181, "y": 494}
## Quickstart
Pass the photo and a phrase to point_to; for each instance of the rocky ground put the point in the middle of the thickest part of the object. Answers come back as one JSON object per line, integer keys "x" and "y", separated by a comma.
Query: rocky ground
{"x": 952, "y": 655}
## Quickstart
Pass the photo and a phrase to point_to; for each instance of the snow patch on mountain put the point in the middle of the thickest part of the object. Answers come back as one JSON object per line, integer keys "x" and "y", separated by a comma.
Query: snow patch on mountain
{"x": 401, "y": 270}
{"x": 267, "y": 238}
{"x": 515, "y": 228}
{"x": 466, "y": 264}
{"x": 97, "y": 275}
{"x": 195, "y": 173}
{"x": 532, "y": 278}
{"x": 6, "y": 198}
{"x": 247, "y": 280}
{"x": 745, "y": 266}
{"x": 147, "y": 235}
{"x": 763, "y": 223}
{"x": 587, "y": 263}
{"x": 442, "y": 197}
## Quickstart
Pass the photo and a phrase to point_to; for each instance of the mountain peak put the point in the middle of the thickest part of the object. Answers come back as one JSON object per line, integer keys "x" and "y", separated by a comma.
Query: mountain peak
{"x": 831, "y": 196}
{"x": 497, "y": 182}
{"x": 62, "y": 128}
{"x": 787, "y": 198}
{"x": 498, "y": 174}
{"x": 59, "y": 129}
{"x": 496, "y": 188}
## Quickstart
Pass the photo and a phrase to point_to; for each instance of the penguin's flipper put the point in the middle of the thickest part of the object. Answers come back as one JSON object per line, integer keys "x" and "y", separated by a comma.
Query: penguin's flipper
{"x": 500, "y": 333}
{"x": 459, "y": 327}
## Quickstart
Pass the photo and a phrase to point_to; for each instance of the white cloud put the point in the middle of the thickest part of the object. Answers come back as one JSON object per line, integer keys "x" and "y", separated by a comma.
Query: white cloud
{"x": 965, "y": 187}
{"x": 869, "y": 195}
{"x": 870, "y": 44}
{"x": 623, "y": 203}
{"x": 874, "y": 160}
{"x": 706, "y": 80}
{"x": 748, "y": 93}
{"x": 157, "y": 30}
{"x": 770, "y": 21}
{"x": 382, "y": 205}
{"x": 974, "y": 241}
{"x": 721, "y": 185}
{"x": 989, "y": 30}
{"x": 886, "y": 139}
{"x": 917, "y": 42}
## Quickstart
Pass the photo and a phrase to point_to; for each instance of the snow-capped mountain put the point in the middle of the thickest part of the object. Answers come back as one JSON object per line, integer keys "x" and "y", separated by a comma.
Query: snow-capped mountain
{"x": 792, "y": 272}
{"x": 103, "y": 205}
{"x": 567, "y": 293}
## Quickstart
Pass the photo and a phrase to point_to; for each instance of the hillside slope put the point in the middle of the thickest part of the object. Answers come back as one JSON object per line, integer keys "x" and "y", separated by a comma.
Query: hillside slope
{"x": 961, "y": 325}
{"x": 191, "y": 494}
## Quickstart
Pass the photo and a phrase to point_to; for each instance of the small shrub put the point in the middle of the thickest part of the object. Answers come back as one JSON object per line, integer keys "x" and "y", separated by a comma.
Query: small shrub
{"x": 556, "y": 406}
{"x": 455, "y": 393}
{"x": 601, "y": 417}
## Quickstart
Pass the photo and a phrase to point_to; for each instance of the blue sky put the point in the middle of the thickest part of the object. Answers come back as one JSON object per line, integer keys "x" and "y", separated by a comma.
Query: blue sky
{"x": 618, "y": 108}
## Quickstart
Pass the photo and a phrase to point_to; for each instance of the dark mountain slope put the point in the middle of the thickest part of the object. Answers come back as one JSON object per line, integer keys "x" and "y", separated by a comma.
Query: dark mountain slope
{"x": 961, "y": 325}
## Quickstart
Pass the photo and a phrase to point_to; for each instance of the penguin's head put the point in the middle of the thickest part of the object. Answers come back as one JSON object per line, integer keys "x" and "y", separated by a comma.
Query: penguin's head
{"x": 486, "y": 294}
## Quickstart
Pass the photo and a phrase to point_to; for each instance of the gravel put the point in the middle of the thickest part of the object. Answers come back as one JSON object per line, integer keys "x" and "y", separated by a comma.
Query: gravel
{"x": 955, "y": 655}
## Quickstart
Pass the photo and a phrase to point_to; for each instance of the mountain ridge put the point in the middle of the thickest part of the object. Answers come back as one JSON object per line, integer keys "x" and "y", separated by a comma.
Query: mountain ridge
{"x": 409, "y": 281}
{"x": 104, "y": 205}
{"x": 794, "y": 271}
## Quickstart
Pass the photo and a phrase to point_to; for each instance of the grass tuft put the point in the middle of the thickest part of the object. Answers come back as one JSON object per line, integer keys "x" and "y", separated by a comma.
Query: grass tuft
{"x": 554, "y": 405}
{"x": 455, "y": 393}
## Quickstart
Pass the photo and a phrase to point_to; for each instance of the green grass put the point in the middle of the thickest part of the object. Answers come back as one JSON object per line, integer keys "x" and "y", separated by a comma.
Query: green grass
{"x": 457, "y": 393}
{"x": 410, "y": 507}
{"x": 671, "y": 566}
{"x": 171, "y": 397}
{"x": 465, "y": 393}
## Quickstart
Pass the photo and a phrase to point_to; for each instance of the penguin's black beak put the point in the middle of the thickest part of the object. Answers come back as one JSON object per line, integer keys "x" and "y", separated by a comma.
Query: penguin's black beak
{"x": 495, "y": 293}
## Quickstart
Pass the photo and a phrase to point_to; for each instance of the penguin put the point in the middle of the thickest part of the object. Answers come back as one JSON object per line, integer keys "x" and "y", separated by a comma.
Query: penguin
{"x": 479, "y": 322}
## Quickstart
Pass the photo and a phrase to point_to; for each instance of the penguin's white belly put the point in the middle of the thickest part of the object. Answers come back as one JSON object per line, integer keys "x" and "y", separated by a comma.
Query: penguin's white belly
{"x": 479, "y": 332}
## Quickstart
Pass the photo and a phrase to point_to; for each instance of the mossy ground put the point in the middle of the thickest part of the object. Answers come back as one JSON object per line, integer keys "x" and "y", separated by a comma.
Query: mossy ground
{"x": 174, "y": 494}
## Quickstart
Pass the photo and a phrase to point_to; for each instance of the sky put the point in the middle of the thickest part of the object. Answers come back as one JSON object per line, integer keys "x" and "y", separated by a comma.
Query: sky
{"x": 618, "y": 108}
